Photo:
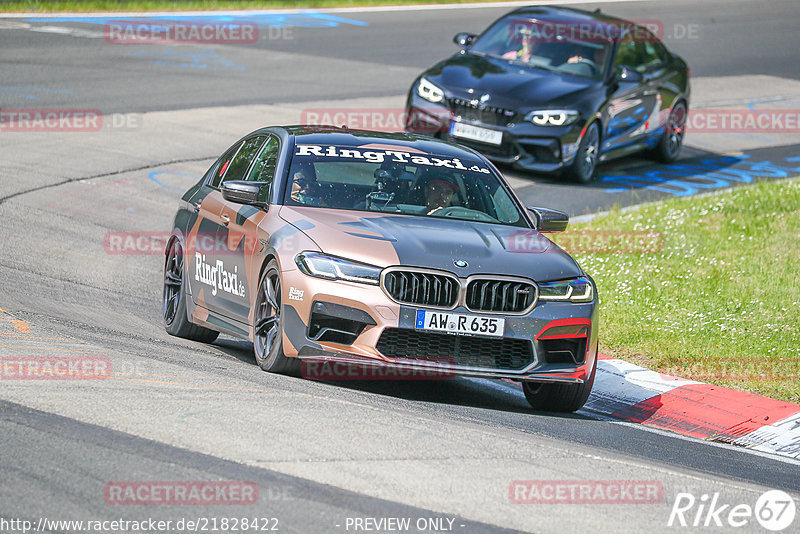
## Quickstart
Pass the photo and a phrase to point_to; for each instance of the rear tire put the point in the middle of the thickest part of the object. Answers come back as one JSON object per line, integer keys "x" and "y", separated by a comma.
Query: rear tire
{"x": 559, "y": 397}
{"x": 584, "y": 166}
{"x": 268, "y": 326}
{"x": 176, "y": 321}
{"x": 669, "y": 146}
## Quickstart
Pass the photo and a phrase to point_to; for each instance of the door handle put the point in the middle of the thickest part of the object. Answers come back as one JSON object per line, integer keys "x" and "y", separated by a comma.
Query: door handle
{"x": 226, "y": 219}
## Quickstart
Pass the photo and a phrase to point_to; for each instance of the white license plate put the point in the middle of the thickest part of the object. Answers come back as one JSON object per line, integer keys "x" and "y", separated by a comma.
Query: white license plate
{"x": 476, "y": 133}
{"x": 457, "y": 323}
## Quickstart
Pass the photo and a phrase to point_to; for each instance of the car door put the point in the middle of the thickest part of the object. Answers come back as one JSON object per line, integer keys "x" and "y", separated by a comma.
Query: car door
{"x": 201, "y": 235}
{"x": 243, "y": 242}
{"x": 660, "y": 78}
{"x": 634, "y": 100}
{"x": 232, "y": 245}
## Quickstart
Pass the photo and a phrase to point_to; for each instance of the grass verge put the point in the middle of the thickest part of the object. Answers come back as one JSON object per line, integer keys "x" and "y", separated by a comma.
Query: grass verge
{"x": 197, "y": 5}
{"x": 720, "y": 301}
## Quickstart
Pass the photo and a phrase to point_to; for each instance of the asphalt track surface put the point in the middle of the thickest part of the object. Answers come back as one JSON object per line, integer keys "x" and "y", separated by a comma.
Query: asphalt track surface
{"x": 320, "y": 453}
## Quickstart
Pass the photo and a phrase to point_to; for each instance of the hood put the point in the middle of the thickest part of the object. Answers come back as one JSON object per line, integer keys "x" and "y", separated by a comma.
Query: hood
{"x": 384, "y": 240}
{"x": 509, "y": 85}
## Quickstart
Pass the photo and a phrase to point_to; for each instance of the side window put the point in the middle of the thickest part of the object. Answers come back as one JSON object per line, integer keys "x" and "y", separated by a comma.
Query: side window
{"x": 264, "y": 168}
{"x": 223, "y": 164}
{"x": 653, "y": 54}
{"x": 208, "y": 177}
{"x": 241, "y": 162}
{"x": 629, "y": 53}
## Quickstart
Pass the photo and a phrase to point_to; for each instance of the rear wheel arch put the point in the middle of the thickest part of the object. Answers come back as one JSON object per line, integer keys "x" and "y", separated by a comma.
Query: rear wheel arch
{"x": 175, "y": 313}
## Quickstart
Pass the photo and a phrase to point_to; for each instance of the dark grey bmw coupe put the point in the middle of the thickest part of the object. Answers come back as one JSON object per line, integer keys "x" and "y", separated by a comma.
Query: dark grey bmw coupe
{"x": 550, "y": 89}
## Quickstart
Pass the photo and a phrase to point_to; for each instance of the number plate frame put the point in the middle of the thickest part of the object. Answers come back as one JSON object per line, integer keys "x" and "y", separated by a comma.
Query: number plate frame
{"x": 476, "y": 133}
{"x": 459, "y": 323}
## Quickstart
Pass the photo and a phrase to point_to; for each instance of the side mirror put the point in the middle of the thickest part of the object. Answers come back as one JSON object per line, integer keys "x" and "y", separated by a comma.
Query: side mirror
{"x": 548, "y": 220}
{"x": 629, "y": 75}
{"x": 242, "y": 192}
{"x": 464, "y": 39}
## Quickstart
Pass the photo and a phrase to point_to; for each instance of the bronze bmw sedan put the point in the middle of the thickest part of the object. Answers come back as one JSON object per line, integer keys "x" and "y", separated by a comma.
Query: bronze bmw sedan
{"x": 380, "y": 251}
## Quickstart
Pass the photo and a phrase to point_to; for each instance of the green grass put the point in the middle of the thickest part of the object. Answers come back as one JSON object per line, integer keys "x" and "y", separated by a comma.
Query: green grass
{"x": 720, "y": 302}
{"x": 195, "y": 5}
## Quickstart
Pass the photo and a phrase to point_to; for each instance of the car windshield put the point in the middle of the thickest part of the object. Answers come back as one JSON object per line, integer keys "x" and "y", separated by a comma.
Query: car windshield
{"x": 397, "y": 179}
{"x": 580, "y": 49}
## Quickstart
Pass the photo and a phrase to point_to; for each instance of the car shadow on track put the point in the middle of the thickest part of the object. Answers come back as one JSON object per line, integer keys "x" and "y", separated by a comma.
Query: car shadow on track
{"x": 635, "y": 164}
{"x": 237, "y": 348}
{"x": 634, "y": 180}
{"x": 697, "y": 169}
{"x": 463, "y": 392}
{"x": 456, "y": 391}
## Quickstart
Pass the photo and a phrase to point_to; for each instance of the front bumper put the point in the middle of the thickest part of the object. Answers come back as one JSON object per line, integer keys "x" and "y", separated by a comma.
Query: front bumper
{"x": 359, "y": 325}
{"x": 544, "y": 149}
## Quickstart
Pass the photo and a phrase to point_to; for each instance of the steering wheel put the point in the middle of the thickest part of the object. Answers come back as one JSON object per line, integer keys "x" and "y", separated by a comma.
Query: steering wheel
{"x": 464, "y": 213}
{"x": 595, "y": 70}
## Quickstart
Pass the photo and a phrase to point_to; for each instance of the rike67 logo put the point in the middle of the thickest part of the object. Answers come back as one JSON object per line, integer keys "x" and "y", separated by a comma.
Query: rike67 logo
{"x": 774, "y": 510}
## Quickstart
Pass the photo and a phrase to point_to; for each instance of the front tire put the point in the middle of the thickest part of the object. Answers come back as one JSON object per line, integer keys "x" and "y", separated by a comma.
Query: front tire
{"x": 176, "y": 321}
{"x": 268, "y": 325}
{"x": 583, "y": 168}
{"x": 559, "y": 397}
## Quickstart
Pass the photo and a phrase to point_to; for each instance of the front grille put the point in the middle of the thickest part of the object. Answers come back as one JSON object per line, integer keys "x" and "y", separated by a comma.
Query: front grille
{"x": 421, "y": 288}
{"x": 502, "y": 354}
{"x": 472, "y": 110}
{"x": 500, "y": 295}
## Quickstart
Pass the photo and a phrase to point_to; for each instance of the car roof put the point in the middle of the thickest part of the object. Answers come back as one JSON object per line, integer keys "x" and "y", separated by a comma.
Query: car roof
{"x": 332, "y": 135}
{"x": 568, "y": 15}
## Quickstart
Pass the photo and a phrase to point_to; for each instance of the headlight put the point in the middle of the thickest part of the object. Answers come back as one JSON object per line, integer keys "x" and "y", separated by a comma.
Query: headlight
{"x": 429, "y": 92}
{"x": 576, "y": 290}
{"x": 333, "y": 268}
{"x": 552, "y": 117}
